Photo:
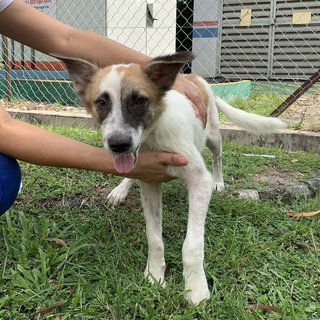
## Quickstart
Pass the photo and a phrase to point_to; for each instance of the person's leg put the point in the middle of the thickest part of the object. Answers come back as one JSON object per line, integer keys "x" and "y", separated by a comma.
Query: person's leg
{"x": 10, "y": 181}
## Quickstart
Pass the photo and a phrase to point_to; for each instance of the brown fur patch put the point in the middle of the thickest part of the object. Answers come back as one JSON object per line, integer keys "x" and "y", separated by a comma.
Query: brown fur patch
{"x": 193, "y": 78}
{"x": 92, "y": 91}
{"x": 135, "y": 78}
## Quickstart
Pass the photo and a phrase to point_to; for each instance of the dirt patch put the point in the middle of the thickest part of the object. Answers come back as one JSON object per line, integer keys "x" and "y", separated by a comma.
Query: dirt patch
{"x": 275, "y": 177}
{"x": 304, "y": 114}
{"x": 40, "y": 106}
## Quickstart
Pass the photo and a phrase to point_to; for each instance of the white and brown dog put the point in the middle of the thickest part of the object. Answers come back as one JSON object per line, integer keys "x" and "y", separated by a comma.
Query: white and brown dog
{"x": 137, "y": 110}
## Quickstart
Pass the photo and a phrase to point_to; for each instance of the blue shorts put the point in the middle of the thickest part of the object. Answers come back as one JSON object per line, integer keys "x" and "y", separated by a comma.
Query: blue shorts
{"x": 10, "y": 181}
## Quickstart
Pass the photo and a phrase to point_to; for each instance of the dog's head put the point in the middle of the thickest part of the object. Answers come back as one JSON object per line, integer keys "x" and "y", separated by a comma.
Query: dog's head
{"x": 125, "y": 99}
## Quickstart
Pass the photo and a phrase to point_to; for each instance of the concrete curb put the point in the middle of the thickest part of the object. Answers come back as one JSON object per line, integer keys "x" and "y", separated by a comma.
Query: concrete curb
{"x": 288, "y": 139}
{"x": 61, "y": 118}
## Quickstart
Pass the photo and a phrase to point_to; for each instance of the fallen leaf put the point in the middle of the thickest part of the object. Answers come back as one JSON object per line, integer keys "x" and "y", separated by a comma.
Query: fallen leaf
{"x": 303, "y": 214}
{"x": 58, "y": 317}
{"x": 60, "y": 242}
{"x": 50, "y": 308}
{"x": 264, "y": 307}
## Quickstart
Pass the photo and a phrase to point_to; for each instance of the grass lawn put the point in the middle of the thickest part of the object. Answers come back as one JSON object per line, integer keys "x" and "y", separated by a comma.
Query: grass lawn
{"x": 255, "y": 253}
{"x": 260, "y": 103}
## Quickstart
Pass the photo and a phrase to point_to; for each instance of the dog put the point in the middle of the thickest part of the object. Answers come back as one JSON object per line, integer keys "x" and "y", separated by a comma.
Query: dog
{"x": 137, "y": 109}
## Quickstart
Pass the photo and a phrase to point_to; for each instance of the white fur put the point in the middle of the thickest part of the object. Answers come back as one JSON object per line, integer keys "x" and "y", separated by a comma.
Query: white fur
{"x": 178, "y": 130}
{"x": 250, "y": 122}
{"x": 152, "y": 206}
{"x": 119, "y": 194}
{"x": 112, "y": 82}
{"x": 114, "y": 122}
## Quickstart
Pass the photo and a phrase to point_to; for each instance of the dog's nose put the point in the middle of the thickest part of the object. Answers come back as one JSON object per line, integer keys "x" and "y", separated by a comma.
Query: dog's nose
{"x": 119, "y": 143}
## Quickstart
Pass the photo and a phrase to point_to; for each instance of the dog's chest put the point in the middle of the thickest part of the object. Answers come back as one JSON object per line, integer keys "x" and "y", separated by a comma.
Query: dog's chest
{"x": 177, "y": 129}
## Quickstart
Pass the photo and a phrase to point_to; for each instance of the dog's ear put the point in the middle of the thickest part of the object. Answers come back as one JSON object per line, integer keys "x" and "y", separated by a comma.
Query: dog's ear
{"x": 80, "y": 71}
{"x": 163, "y": 70}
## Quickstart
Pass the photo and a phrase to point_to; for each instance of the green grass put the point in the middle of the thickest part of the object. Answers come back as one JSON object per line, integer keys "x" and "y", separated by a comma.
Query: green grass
{"x": 260, "y": 103}
{"x": 254, "y": 252}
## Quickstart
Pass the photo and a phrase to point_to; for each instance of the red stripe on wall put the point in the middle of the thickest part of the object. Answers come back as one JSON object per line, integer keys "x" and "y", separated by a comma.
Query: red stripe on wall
{"x": 205, "y": 23}
{"x": 37, "y": 65}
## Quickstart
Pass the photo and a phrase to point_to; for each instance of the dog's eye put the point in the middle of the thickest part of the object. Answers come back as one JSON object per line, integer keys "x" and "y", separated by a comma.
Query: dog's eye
{"x": 101, "y": 103}
{"x": 141, "y": 101}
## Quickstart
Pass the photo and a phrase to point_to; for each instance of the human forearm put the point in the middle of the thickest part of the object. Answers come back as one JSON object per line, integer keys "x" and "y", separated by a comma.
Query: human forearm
{"x": 35, "y": 145}
{"x": 104, "y": 51}
{"x": 52, "y": 36}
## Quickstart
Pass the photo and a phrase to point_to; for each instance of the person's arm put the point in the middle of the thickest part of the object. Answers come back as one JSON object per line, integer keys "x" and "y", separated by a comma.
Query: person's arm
{"x": 29, "y": 26}
{"x": 35, "y": 145}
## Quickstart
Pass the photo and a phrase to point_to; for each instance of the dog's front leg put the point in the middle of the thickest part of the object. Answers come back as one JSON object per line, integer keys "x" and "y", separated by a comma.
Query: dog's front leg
{"x": 200, "y": 188}
{"x": 119, "y": 193}
{"x": 152, "y": 205}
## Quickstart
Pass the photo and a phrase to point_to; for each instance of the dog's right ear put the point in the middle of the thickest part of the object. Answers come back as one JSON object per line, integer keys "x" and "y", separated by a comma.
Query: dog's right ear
{"x": 80, "y": 71}
{"x": 163, "y": 70}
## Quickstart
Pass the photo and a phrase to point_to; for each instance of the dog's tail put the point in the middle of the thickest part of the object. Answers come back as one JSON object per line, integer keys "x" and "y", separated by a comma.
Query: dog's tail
{"x": 249, "y": 121}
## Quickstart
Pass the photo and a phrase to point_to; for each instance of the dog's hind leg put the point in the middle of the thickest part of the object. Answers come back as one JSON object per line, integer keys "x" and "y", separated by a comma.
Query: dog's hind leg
{"x": 215, "y": 146}
{"x": 214, "y": 142}
{"x": 151, "y": 197}
{"x": 119, "y": 193}
{"x": 199, "y": 183}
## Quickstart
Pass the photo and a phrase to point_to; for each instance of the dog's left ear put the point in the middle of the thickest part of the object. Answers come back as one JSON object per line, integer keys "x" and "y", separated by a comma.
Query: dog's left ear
{"x": 163, "y": 70}
{"x": 80, "y": 71}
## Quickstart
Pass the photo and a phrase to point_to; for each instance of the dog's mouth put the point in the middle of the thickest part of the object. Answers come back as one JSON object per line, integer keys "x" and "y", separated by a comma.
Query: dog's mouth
{"x": 125, "y": 162}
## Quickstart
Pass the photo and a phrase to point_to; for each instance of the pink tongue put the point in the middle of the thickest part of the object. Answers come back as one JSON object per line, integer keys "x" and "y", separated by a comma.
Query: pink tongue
{"x": 124, "y": 162}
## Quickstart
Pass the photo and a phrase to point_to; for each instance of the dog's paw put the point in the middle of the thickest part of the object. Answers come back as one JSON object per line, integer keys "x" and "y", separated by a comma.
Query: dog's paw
{"x": 195, "y": 296}
{"x": 196, "y": 289}
{"x": 117, "y": 196}
{"x": 156, "y": 275}
{"x": 218, "y": 186}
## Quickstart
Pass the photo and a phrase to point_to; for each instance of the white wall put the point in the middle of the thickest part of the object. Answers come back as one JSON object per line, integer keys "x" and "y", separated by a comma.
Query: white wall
{"x": 126, "y": 23}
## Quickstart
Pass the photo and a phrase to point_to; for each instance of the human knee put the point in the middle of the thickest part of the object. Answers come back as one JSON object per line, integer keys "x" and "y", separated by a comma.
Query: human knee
{"x": 10, "y": 182}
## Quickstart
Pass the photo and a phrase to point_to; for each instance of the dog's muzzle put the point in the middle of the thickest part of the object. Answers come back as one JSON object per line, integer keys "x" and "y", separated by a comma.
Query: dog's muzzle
{"x": 124, "y": 158}
{"x": 120, "y": 143}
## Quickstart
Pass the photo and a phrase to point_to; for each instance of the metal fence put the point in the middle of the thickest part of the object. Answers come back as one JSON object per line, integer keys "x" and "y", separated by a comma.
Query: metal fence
{"x": 273, "y": 45}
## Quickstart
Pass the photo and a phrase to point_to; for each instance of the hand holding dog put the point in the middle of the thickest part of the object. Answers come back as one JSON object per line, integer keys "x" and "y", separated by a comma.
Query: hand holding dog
{"x": 187, "y": 88}
{"x": 152, "y": 166}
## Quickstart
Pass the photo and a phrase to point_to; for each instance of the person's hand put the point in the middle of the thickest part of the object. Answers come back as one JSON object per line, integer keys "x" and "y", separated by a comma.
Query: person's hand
{"x": 186, "y": 87}
{"x": 152, "y": 166}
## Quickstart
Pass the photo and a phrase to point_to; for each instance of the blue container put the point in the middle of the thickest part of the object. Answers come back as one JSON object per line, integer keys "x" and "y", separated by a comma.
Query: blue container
{"x": 10, "y": 181}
